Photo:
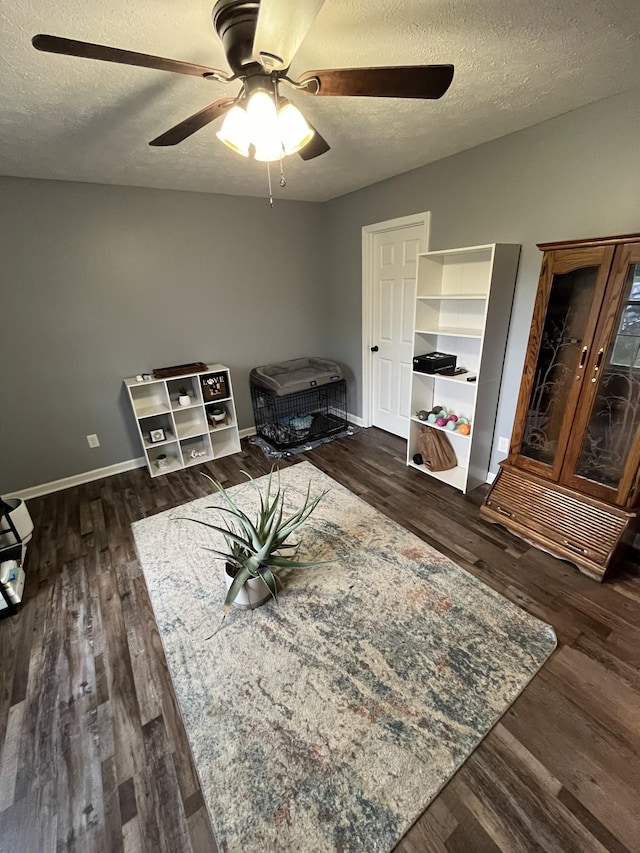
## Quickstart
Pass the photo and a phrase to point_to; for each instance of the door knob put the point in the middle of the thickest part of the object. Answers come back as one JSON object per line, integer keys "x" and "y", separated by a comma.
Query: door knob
{"x": 374, "y": 349}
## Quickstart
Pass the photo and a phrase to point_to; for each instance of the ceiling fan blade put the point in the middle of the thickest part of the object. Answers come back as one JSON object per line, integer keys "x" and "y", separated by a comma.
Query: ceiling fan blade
{"x": 282, "y": 26}
{"x": 401, "y": 81}
{"x": 193, "y": 123}
{"x": 316, "y": 147}
{"x": 86, "y": 50}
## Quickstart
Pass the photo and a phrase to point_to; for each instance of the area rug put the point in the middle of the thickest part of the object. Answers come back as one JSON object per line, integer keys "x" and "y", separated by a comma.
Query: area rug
{"x": 329, "y": 721}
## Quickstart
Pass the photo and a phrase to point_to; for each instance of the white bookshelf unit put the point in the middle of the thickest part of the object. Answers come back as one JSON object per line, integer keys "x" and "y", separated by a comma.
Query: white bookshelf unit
{"x": 463, "y": 308}
{"x": 191, "y": 433}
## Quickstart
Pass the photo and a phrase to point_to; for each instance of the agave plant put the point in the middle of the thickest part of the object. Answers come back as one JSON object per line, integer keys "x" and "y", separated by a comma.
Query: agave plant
{"x": 254, "y": 545}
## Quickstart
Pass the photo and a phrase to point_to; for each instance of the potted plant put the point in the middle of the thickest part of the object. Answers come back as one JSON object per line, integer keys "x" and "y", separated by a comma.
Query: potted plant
{"x": 217, "y": 415}
{"x": 255, "y": 548}
{"x": 183, "y": 396}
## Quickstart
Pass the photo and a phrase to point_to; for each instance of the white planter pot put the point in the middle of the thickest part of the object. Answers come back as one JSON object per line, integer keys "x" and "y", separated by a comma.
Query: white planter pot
{"x": 22, "y": 521}
{"x": 254, "y": 592}
{"x": 184, "y": 400}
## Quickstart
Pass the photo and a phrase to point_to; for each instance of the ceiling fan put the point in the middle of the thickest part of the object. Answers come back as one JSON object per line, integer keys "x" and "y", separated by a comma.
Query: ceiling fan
{"x": 260, "y": 40}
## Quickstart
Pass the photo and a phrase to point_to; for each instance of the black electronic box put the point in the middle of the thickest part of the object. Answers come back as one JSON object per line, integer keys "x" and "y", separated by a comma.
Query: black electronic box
{"x": 434, "y": 362}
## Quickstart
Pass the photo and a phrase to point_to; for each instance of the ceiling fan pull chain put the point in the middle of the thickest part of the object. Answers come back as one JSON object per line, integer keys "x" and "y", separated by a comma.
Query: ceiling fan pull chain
{"x": 269, "y": 179}
{"x": 283, "y": 182}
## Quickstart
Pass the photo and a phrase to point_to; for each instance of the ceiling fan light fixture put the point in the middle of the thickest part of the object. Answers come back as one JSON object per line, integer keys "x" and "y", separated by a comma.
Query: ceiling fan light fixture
{"x": 236, "y": 131}
{"x": 295, "y": 133}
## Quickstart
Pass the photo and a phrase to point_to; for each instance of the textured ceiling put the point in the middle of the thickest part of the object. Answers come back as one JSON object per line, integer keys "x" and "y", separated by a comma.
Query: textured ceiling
{"x": 518, "y": 62}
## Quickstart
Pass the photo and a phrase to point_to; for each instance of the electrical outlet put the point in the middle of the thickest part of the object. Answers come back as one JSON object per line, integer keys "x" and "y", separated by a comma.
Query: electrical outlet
{"x": 503, "y": 444}
{"x": 93, "y": 440}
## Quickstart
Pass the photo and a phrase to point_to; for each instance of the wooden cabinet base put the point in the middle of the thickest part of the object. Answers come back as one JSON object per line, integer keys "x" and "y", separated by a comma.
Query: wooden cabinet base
{"x": 589, "y": 533}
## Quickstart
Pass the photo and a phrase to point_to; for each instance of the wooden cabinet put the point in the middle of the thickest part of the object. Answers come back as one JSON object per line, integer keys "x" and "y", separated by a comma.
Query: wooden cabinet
{"x": 185, "y": 420}
{"x": 571, "y": 481}
{"x": 463, "y": 307}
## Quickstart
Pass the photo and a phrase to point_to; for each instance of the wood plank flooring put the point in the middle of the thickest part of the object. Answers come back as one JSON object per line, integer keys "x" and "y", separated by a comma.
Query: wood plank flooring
{"x": 94, "y": 755}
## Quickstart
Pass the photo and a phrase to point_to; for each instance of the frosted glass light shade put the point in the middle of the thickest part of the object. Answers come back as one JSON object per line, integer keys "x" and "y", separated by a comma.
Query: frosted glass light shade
{"x": 294, "y": 130}
{"x": 267, "y": 153}
{"x": 235, "y": 131}
{"x": 265, "y": 131}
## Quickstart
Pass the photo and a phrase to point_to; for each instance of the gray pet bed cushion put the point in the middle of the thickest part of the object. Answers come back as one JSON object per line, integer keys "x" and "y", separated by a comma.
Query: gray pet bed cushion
{"x": 298, "y": 374}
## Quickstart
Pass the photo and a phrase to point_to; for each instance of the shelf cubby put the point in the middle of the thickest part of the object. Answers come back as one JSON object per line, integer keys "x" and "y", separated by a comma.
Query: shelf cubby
{"x": 196, "y": 450}
{"x": 224, "y": 443}
{"x": 229, "y": 416}
{"x": 190, "y": 422}
{"x": 150, "y": 399}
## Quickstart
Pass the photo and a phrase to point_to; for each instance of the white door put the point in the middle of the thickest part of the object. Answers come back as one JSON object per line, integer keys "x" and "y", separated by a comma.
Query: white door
{"x": 393, "y": 294}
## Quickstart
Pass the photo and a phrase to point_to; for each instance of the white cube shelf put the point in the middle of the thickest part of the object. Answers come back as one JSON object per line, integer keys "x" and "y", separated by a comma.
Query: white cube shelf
{"x": 192, "y": 434}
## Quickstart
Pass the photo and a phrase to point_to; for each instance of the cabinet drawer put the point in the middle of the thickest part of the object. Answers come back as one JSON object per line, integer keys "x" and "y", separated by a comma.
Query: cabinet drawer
{"x": 581, "y": 526}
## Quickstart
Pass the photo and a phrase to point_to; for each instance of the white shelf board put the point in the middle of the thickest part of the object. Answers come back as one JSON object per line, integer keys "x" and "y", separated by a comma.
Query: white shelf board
{"x": 151, "y": 409}
{"x": 441, "y": 297}
{"x": 441, "y": 429}
{"x": 451, "y": 332}
{"x": 192, "y": 431}
{"x": 217, "y": 402}
{"x": 174, "y": 465}
{"x": 188, "y": 462}
{"x": 434, "y": 253}
{"x": 213, "y": 430}
{"x": 178, "y": 408}
{"x": 459, "y": 380}
{"x": 456, "y": 477}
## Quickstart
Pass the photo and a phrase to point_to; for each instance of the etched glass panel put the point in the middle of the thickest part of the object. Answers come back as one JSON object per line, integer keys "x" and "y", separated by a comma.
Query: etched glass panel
{"x": 560, "y": 350}
{"x": 616, "y": 412}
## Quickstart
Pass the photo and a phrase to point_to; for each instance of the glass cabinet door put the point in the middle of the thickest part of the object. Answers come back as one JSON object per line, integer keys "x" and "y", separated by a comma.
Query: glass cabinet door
{"x": 603, "y": 462}
{"x": 564, "y": 324}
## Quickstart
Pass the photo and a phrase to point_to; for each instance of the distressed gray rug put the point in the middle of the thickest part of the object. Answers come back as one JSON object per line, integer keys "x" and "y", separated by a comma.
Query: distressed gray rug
{"x": 330, "y": 721}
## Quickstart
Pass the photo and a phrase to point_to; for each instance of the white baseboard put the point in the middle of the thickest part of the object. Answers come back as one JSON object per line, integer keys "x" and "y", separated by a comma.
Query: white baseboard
{"x": 108, "y": 471}
{"x": 78, "y": 479}
{"x": 354, "y": 419}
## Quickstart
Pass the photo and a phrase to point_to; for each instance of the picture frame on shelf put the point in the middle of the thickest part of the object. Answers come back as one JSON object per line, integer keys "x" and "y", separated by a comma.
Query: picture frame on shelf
{"x": 214, "y": 387}
{"x": 156, "y": 435}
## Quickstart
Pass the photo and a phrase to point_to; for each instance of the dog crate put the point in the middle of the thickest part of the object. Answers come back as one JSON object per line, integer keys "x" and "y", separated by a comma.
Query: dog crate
{"x": 298, "y": 401}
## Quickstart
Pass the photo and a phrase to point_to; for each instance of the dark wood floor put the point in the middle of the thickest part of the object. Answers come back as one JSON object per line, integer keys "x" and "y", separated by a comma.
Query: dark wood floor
{"x": 94, "y": 754}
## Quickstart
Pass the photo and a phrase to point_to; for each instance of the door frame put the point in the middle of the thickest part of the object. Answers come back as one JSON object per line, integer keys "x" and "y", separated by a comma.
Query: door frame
{"x": 369, "y": 232}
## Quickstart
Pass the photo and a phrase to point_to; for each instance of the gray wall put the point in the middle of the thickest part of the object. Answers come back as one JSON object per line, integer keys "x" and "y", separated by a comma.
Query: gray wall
{"x": 574, "y": 176}
{"x": 99, "y": 283}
